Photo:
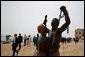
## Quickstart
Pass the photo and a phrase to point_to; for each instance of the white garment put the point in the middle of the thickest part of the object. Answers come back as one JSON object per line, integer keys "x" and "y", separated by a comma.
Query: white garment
{"x": 39, "y": 38}
{"x": 30, "y": 39}
{"x": 51, "y": 34}
{"x": 25, "y": 37}
{"x": 14, "y": 40}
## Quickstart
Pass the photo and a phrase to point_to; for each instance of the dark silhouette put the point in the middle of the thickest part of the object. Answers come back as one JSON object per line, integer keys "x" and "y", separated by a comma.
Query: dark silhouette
{"x": 35, "y": 40}
{"x": 63, "y": 40}
{"x": 20, "y": 41}
{"x": 42, "y": 41}
{"x": 15, "y": 45}
{"x": 54, "y": 35}
{"x": 45, "y": 20}
{"x": 69, "y": 40}
{"x": 66, "y": 40}
{"x": 76, "y": 40}
{"x": 29, "y": 39}
{"x": 57, "y": 32}
{"x": 25, "y": 38}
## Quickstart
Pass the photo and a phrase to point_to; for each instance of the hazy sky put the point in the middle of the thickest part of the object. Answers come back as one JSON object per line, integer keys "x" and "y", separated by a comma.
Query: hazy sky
{"x": 24, "y": 16}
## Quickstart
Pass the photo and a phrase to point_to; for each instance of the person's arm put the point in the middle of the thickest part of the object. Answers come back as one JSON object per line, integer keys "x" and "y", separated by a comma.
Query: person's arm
{"x": 13, "y": 41}
{"x": 45, "y": 20}
{"x": 67, "y": 19}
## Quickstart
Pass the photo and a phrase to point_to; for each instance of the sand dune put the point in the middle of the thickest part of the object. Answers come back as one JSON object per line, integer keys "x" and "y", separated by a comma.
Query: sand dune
{"x": 68, "y": 49}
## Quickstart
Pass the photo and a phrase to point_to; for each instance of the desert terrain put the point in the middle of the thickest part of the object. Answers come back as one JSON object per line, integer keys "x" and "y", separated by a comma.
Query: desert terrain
{"x": 68, "y": 49}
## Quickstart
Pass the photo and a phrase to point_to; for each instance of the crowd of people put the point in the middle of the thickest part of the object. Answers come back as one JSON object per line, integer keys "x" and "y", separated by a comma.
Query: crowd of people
{"x": 17, "y": 42}
{"x": 69, "y": 40}
{"x": 19, "y": 39}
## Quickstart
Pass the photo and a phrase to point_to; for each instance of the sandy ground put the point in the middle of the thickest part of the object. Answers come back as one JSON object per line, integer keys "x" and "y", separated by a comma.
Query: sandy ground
{"x": 68, "y": 49}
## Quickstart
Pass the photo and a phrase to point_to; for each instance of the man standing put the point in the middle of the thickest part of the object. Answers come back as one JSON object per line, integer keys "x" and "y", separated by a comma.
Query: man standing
{"x": 42, "y": 42}
{"x": 29, "y": 40}
{"x": 56, "y": 32}
{"x": 25, "y": 39}
{"x": 20, "y": 41}
{"x": 15, "y": 44}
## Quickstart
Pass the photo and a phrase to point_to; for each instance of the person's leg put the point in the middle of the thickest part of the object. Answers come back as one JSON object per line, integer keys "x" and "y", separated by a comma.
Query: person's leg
{"x": 27, "y": 41}
{"x": 24, "y": 42}
{"x": 13, "y": 53}
{"x": 16, "y": 50}
{"x": 13, "y": 49}
{"x": 19, "y": 46}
